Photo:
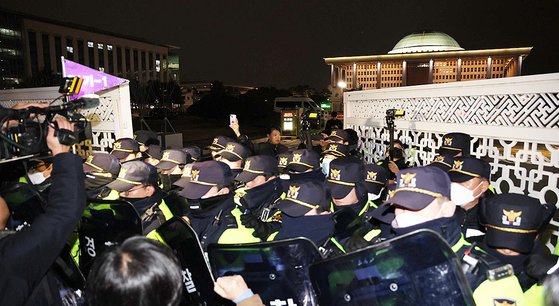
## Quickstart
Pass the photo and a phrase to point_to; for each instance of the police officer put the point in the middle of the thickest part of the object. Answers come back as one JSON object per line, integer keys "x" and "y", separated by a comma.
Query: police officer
{"x": 339, "y": 136}
{"x": 421, "y": 200}
{"x": 234, "y": 156}
{"x": 137, "y": 184}
{"x": 153, "y": 154}
{"x": 349, "y": 203}
{"x": 213, "y": 214}
{"x": 304, "y": 165}
{"x": 262, "y": 188}
{"x": 126, "y": 149}
{"x": 100, "y": 169}
{"x": 218, "y": 144}
{"x": 194, "y": 151}
{"x": 470, "y": 186}
{"x": 332, "y": 151}
{"x": 375, "y": 184}
{"x": 455, "y": 144}
{"x": 305, "y": 214}
{"x": 145, "y": 139}
{"x": 170, "y": 165}
{"x": 512, "y": 223}
{"x": 283, "y": 160}
{"x": 443, "y": 162}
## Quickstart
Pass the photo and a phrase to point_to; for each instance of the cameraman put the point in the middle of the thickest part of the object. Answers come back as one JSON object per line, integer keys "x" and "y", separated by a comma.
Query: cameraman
{"x": 27, "y": 255}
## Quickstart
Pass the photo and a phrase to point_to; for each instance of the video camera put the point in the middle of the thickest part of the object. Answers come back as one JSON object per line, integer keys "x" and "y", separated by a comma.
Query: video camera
{"x": 28, "y": 137}
{"x": 391, "y": 115}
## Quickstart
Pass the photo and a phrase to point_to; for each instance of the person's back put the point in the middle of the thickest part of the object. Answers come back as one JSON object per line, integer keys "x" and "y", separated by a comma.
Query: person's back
{"x": 138, "y": 272}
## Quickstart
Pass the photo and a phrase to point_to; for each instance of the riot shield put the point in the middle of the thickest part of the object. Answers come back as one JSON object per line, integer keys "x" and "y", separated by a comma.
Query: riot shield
{"x": 277, "y": 271}
{"x": 25, "y": 203}
{"x": 197, "y": 278}
{"x": 415, "y": 269}
{"x": 103, "y": 224}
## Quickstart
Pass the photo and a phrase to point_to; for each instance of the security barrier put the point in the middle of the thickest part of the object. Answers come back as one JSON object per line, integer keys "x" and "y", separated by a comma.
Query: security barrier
{"x": 514, "y": 123}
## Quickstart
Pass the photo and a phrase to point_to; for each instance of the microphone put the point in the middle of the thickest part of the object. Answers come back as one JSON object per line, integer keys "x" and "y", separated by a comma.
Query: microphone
{"x": 85, "y": 102}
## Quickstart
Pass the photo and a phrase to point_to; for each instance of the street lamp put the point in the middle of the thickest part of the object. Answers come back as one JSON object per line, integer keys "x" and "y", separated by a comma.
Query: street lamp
{"x": 342, "y": 84}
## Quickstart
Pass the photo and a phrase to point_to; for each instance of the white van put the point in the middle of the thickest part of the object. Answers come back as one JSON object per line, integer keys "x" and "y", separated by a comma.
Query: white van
{"x": 282, "y": 103}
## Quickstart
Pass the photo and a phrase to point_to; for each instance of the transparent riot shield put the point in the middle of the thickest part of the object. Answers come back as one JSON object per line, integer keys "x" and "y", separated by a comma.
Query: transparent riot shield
{"x": 103, "y": 224}
{"x": 277, "y": 271}
{"x": 25, "y": 203}
{"x": 415, "y": 269}
{"x": 197, "y": 278}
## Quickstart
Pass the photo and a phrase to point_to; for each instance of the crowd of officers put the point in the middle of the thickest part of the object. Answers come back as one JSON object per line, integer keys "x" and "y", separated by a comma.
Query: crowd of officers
{"x": 250, "y": 193}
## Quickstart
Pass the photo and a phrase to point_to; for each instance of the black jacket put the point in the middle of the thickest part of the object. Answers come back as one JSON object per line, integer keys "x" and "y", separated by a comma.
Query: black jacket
{"x": 26, "y": 255}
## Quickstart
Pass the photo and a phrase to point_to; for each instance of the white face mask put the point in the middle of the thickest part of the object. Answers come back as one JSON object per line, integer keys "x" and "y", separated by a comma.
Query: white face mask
{"x": 461, "y": 195}
{"x": 326, "y": 165}
{"x": 409, "y": 218}
{"x": 374, "y": 196}
{"x": 36, "y": 178}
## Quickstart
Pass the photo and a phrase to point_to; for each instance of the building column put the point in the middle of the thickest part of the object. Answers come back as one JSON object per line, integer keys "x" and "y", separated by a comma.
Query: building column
{"x": 354, "y": 79}
{"x": 519, "y": 66}
{"x": 488, "y": 75}
{"x": 378, "y": 75}
{"x": 404, "y": 72}
{"x": 430, "y": 79}
{"x": 459, "y": 70}
{"x": 332, "y": 76}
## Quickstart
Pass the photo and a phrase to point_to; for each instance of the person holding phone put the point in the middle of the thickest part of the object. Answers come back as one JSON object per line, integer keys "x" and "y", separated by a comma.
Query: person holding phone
{"x": 272, "y": 147}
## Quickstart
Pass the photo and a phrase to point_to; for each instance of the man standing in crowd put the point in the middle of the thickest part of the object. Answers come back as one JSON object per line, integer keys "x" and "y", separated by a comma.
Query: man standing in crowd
{"x": 333, "y": 122}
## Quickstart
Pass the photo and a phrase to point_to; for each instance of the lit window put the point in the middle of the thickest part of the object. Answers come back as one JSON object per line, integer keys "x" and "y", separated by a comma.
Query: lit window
{"x": 102, "y": 69}
{"x": 90, "y": 44}
{"x": 70, "y": 49}
{"x": 157, "y": 65}
{"x": 99, "y": 46}
{"x": 109, "y": 47}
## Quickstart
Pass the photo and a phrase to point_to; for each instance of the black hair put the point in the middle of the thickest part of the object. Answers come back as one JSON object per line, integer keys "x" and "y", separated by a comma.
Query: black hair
{"x": 140, "y": 272}
{"x": 334, "y": 114}
{"x": 274, "y": 128}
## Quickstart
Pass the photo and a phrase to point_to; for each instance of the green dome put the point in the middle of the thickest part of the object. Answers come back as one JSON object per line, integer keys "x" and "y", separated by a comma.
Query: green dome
{"x": 426, "y": 42}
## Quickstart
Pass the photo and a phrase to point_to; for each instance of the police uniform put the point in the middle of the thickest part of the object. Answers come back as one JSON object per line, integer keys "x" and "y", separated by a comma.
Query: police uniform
{"x": 95, "y": 185}
{"x": 375, "y": 183}
{"x": 455, "y": 144}
{"x": 346, "y": 174}
{"x": 463, "y": 169}
{"x": 171, "y": 158}
{"x": 338, "y": 135}
{"x": 153, "y": 210}
{"x": 194, "y": 151}
{"x": 491, "y": 281}
{"x": 123, "y": 147}
{"x": 234, "y": 152}
{"x": 513, "y": 222}
{"x": 219, "y": 143}
{"x": 332, "y": 151}
{"x": 299, "y": 165}
{"x": 215, "y": 219}
{"x": 301, "y": 198}
{"x": 443, "y": 162}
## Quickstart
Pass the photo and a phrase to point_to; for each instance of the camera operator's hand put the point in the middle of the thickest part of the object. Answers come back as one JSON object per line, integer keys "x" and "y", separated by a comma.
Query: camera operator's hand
{"x": 236, "y": 128}
{"x": 393, "y": 167}
{"x": 52, "y": 141}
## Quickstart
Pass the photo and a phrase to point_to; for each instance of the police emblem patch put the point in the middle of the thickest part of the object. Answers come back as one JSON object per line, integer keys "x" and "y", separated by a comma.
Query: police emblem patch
{"x": 296, "y": 158}
{"x": 195, "y": 174}
{"x": 457, "y": 165}
{"x": 335, "y": 174}
{"x": 165, "y": 155}
{"x": 247, "y": 165}
{"x": 283, "y": 161}
{"x": 371, "y": 175}
{"x": 89, "y": 159}
{"x": 439, "y": 158}
{"x": 334, "y": 133}
{"x": 333, "y": 147}
{"x": 448, "y": 141}
{"x": 408, "y": 180}
{"x": 117, "y": 145}
{"x": 511, "y": 217}
{"x": 293, "y": 192}
{"x": 122, "y": 173}
{"x": 230, "y": 147}
{"x": 215, "y": 141}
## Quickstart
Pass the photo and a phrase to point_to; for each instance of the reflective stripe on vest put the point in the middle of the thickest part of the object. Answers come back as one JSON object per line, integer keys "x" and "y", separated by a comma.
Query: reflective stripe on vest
{"x": 241, "y": 234}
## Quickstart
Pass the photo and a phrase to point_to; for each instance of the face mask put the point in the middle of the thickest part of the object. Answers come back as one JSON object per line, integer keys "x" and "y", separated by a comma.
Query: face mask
{"x": 374, "y": 196}
{"x": 326, "y": 165}
{"x": 167, "y": 180}
{"x": 94, "y": 182}
{"x": 131, "y": 200}
{"x": 36, "y": 178}
{"x": 408, "y": 219}
{"x": 461, "y": 195}
{"x": 398, "y": 153}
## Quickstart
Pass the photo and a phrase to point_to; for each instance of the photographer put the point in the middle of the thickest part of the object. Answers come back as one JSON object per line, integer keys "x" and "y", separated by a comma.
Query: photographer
{"x": 27, "y": 255}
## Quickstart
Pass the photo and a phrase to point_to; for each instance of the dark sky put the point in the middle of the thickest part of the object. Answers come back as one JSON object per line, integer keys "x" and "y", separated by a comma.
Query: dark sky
{"x": 283, "y": 43}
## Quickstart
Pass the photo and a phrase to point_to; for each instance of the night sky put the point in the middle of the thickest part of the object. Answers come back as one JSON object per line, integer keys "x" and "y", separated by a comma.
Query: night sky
{"x": 283, "y": 43}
